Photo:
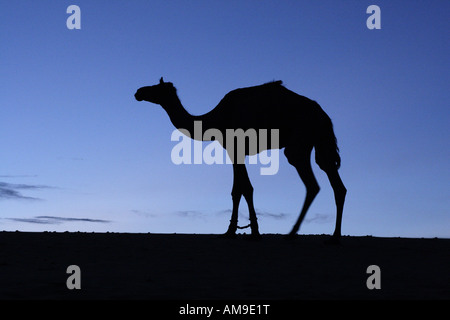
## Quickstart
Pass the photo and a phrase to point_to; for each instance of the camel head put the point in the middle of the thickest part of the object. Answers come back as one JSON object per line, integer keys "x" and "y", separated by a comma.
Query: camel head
{"x": 157, "y": 93}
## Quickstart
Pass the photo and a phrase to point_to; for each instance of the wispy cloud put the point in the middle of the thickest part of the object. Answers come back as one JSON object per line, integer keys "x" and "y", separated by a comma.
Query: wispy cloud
{"x": 56, "y": 220}
{"x": 310, "y": 218}
{"x": 146, "y": 214}
{"x": 274, "y": 215}
{"x": 13, "y": 191}
{"x": 225, "y": 211}
{"x": 318, "y": 218}
{"x": 194, "y": 214}
{"x": 197, "y": 214}
{"x": 189, "y": 213}
{"x": 260, "y": 213}
{"x": 32, "y": 220}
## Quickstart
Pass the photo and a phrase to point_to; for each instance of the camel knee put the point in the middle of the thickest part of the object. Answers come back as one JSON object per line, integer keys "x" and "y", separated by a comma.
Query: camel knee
{"x": 341, "y": 192}
{"x": 340, "y": 189}
{"x": 339, "y": 196}
{"x": 245, "y": 190}
{"x": 236, "y": 195}
{"x": 248, "y": 192}
{"x": 313, "y": 190}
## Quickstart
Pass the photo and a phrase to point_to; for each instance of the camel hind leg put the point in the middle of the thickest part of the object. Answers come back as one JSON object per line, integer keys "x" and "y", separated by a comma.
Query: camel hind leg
{"x": 339, "y": 190}
{"x": 339, "y": 195}
{"x": 302, "y": 162}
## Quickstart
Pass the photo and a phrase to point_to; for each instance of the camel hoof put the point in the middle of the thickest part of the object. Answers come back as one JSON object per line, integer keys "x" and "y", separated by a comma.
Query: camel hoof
{"x": 228, "y": 235}
{"x": 255, "y": 236}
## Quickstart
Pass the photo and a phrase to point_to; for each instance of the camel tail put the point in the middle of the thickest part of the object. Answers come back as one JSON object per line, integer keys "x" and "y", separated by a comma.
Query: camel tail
{"x": 327, "y": 150}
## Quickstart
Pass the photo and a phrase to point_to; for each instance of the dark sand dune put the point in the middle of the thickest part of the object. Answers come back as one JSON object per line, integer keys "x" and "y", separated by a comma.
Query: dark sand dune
{"x": 186, "y": 266}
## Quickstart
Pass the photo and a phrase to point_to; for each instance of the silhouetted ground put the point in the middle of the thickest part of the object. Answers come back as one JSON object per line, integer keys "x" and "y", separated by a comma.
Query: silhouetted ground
{"x": 188, "y": 266}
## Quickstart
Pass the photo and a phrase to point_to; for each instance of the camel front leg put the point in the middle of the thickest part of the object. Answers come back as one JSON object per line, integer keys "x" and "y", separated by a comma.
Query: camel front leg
{"x": 252, "y": 213}
{"x": 231, "y": 232}
{"x": 242, "y": 187}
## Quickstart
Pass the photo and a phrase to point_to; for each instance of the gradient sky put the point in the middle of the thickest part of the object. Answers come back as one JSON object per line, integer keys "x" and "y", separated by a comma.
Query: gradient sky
{"x": 78, "y": 153}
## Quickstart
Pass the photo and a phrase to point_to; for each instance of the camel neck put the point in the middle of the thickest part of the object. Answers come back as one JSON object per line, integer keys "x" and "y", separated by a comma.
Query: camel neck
{"x": 179, "y": 116}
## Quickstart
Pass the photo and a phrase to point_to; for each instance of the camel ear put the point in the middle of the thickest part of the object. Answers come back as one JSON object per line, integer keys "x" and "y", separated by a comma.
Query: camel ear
{"x": 161, "y": 81}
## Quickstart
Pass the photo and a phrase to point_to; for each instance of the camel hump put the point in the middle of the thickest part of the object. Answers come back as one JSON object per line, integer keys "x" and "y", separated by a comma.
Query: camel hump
{"x": 274, "y": 83}
{"x": 277, "y": 82}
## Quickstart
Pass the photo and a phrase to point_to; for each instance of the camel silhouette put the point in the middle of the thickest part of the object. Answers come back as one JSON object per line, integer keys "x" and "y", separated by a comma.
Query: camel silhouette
{"x": 302, "y": 126}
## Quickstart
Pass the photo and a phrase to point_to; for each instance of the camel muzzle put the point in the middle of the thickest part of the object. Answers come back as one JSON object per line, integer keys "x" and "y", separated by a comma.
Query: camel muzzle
{"x": 137, "y": 97}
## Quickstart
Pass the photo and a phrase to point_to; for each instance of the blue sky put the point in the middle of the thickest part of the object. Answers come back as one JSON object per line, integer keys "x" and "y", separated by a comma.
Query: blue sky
{"x": 77, "y": 152}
